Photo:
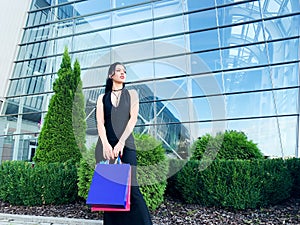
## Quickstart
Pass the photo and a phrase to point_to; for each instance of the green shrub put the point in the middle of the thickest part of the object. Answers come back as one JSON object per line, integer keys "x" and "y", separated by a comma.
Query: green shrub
{"x": 237, "y": 184}
{"x": 175, "y": 165}
{"x": 228, "y": 145}
{"x": 86, "y": 171}
{"x": 294, "y": 169}
{"x": 152, "y": 169}
{"x": 23, "y": 184}
{"x": 276, "y": 181}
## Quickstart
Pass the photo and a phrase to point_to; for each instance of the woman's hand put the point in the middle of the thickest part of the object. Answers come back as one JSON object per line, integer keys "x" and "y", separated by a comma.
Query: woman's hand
{"x": 108, "y": 151}
{"x": 118, "y": 149}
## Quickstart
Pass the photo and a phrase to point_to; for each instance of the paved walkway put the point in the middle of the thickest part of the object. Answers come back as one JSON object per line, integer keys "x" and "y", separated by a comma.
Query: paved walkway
{"x": 12, "y": 219}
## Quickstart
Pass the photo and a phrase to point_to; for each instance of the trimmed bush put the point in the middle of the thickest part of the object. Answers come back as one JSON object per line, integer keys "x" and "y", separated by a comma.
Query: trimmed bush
{"x": 294, "y": 169}
{"x": 22, "y": 184}
{"x": 228, "y": 145}
{"x": 237, "y": 184}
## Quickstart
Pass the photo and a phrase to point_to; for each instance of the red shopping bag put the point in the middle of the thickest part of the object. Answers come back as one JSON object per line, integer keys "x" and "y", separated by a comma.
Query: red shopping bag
{"x": 110, "y": 188}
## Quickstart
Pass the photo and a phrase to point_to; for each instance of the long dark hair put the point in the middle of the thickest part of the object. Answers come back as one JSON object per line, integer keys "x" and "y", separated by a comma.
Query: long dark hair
{"x": 109, "y": 81}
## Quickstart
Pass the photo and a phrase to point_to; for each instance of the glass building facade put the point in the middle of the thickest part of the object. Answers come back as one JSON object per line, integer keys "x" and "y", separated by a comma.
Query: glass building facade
{"x": 199, "y": 67}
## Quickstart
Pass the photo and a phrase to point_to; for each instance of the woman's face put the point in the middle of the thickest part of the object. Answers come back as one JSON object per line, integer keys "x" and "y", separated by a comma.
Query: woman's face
{"x": 119, "y": 75}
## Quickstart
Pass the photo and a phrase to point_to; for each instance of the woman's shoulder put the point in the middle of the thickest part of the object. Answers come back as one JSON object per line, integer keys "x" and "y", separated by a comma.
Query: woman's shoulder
{"x": 133, "y": 93}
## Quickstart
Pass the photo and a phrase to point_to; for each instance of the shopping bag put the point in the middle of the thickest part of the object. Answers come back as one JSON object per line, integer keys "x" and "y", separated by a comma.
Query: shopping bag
{"x": 110, "y": 188}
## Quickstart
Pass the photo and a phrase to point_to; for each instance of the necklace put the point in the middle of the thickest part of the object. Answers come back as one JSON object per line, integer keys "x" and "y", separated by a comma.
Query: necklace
{"x": 117, "y": 97}
{"x": 117, "y": 90}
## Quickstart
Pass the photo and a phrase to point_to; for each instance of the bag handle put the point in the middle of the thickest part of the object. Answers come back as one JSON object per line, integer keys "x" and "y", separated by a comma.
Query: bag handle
{"x": 117, "y": 161}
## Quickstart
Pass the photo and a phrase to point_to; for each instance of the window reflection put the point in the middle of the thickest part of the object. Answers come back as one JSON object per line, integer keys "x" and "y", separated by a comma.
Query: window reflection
{"x": 244, "y": 56}
{"x": 272, "y": 8}
{"x": 239, "y": 13}
{"x": 94, "y": 22}
{"x": 130, "y": 15}
{"x": 91, "y": 6}
{"x": 131, "y": 33}
{"x": 242, "y": 34}
{"x": 282, "y": 27}
{"x": 166, "y": 7}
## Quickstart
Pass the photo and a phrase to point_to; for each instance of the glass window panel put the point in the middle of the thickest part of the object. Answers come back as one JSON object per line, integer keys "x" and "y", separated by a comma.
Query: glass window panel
{"x": 169, "y": 26}
{"x": 275, "y": 8}
{"x": 39, "y": 17}
{"x": 223, "y": 2}
{"x": 11, "y": 107}
{"x": 17, "y": 69}
{"x": 265, "y": 133}
{"x": 31, "y": 122}
{"x": 132, "y": 15}
{"x": 140, "y": 71}
{"x": 283, "y": 51}
{"x": 239, "y": 13}
{"x": 198, "y": 129}
{"x": 251, "y": 104}
{"x": 241, "y": 34}
{"x": 202, "y": 20}
{"x": 204, "y": 40}
{"x": 132, "y": 33}
{"x": 285, "y": 75}
{"x": 131, "y": 52}
{"x": 6, "y": 148}
{"x": 92, "y": 40}
{"x": 247, "y": 80}
{"x": 146, "y": 112}
{"x": 175, "y": 139}
{"x": 62, "y": 28}
{"x": 93, "y": 58}
{"x": 172, "y": 66}
{"x": 170, "y": 46}
{"x": 244, "y": 56}
{"x": 94, "y": 77}
{"x": 145, "y": 91}
{"x": 91, "y": 6}
{"x": 122, "y": 3}
{"x": 171, "y": 88}
{"x": 167, "y": 7}
{"x": 99, "y": 21}
{"x": 205, "y": 62}
{"x": 208, "y": 108}
{"x": 63, "y": 11}
{"x": 173, "y": 111}
{"x": 195, "y": 5}
{"x": 61, "y": 43}
{"x": 282, "y": 27}
{"x": 288, "y": 131}
{"x": 37, "y": 33}
{"x": 286, "y": 101}
{"x": 206, "y": 84}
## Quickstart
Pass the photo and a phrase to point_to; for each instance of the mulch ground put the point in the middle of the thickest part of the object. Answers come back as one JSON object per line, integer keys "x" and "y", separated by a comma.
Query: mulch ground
{"x": 173, "y": 212}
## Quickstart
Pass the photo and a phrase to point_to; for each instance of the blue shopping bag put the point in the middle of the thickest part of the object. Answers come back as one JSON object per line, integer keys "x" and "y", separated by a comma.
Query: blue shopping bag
{"x": 110, "y": 188}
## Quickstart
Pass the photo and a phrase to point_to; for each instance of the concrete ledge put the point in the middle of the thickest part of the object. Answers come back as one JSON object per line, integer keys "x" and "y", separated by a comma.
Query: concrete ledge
{"x": 23, "y": 219}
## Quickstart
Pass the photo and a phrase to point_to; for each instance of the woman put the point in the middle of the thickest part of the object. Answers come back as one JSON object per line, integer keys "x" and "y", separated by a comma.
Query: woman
{"x": 117, "y": 112}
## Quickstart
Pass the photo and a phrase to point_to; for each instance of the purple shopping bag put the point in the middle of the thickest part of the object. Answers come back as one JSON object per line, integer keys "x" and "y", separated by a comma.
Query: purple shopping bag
{"x": 110, "y": 188}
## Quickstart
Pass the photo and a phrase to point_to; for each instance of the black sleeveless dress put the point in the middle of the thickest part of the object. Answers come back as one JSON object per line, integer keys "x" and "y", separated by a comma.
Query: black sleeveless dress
{"x": 116, "y": 119}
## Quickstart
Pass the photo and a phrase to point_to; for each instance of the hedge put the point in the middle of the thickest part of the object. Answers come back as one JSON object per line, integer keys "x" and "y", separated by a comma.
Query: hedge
{"x": 237, "y": 184}
{"x": 23, "y": 184}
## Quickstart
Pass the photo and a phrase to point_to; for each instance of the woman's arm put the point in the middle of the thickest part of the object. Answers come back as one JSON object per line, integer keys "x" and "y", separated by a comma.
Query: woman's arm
{"x": 134, "y": 110}
{"x": 107, "y": 149}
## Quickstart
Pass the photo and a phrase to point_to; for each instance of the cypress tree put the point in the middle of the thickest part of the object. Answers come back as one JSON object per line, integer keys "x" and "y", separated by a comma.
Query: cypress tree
{"x": 56, "y": 142}
{"x": 79, "y": 122}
